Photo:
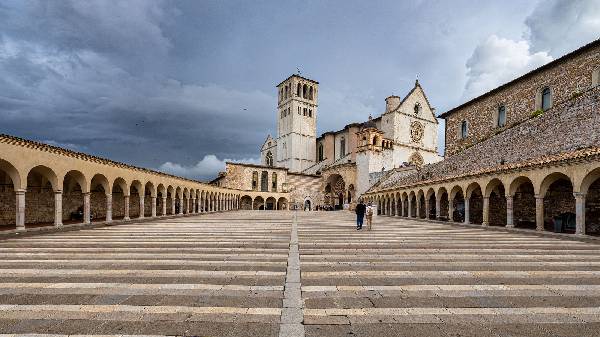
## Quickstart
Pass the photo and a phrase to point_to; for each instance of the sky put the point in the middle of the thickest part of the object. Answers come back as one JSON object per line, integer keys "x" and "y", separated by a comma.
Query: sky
{"x": 183, "y": 86}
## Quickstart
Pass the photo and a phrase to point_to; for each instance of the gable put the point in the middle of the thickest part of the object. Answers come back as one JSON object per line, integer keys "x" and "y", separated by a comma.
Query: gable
{"x": 417, "y": 95}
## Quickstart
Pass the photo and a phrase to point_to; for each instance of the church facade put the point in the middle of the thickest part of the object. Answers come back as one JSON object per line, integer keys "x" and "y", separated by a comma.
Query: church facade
{"x": 336, "y": 167}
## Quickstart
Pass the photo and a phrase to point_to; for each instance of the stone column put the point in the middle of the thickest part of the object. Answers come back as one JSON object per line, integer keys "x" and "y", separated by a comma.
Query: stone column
{"x": 539, "y": 212}
{"x": 164, "y": 206}
{"x": 173, "y": 202}
{"x": 153, "y": 206}
{"x": 402, "y": 207}
{"x": 126, "y": 215}
{"x": 467, "y": 207}
{"x": 418, "y": 208}
{"x": 181, "y": 207}
{"x": 427, "y": 209}
{"x": 86, "y": 208}
{"x": 509, "y": 212}
{"x": 438, "y": 208}
{"x": 486, "y": 211}
{"x": 579, "y": 213}
{"x": 20, "y": 203}
{"x": 409, "y": 207}
{"x": 451, "y": 210}
{"x": 109, "y": 208}
{"x": 187, "y": 207}
{"x": 58, "y": 208}
{"x": 141, "y": 207}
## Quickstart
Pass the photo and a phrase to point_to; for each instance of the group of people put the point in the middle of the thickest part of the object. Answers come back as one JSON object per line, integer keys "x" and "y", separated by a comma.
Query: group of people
{"x": 361, "y": 211}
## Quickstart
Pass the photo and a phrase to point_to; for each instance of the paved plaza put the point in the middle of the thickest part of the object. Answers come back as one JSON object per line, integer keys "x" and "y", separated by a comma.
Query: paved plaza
{"x": 263, "y": 273}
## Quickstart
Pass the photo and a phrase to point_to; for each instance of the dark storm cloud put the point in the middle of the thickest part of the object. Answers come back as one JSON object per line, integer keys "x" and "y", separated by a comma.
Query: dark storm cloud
{"x": 185, "y": 85}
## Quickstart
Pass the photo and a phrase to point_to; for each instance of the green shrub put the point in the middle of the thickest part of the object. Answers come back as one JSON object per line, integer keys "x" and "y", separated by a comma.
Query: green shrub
{"x": 537, "y": 112}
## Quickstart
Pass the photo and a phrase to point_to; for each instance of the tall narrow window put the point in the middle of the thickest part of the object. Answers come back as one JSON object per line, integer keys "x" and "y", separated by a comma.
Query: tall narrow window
{"x": 286, "y": 91}
{"x": 274, "y": 182}
{"x": 501, "y": 116}
{"x": 546, "y": 99}
{"x": 254, "y": 180}
{"x": 305, "y": 91}
{"x": 304, "y": 111}
{"x": 309, "y": 112}
{"x": 342, "y": 147}
{"x": 417, "y": 108}
{"x": 264, "y": 181}
{"x": 464, "y": 129}
{"x": 310, "y": 93}
{"x": 320, "y": 151}
{"x": 596, "y": 77}
{"x": 269, "y": 159}
{"x": 298, "y": 89}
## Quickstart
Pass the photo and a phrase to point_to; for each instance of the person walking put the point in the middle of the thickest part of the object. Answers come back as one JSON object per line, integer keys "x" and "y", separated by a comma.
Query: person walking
{"x": 360, "y": 214}
{"x": 369, "y": 215}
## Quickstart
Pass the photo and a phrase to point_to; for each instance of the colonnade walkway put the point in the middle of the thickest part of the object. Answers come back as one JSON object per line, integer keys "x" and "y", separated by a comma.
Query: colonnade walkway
{"x": 263, "y": 273}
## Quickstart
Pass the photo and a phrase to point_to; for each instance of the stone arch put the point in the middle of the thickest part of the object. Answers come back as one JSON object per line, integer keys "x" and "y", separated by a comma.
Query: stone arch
{"x": 258, "y": 203}
{"x": 149, "y": 199}
{"x": 431, "y": 203}
{"x": 282, "y": 203}
{"x": 416, "y": 159}
{"x": 335, "y": 190}
{"x": 40, "y": 188}
{"x": 404, "y": 204}
{"x": 100, "y": 192}
{"x": 398, "y": 204}
{"x": 474, "y": 203}
{"x": 521, "y": 193}
{"x": 559, "y": 202}
{"x": 10, "y": 183}
{"x": 136, "y": 199}
{"x": 443, "y": 200}
{"x": 496, "y": 194}
{"x": 270, "y": 203}
{"x": 246, "y": 202}
{"x": 412, "y": 203}
{"x": 590, "y": 190}
{"x": 457, "y": 204}
{"x": 171, "y": 198}
{"x": 161, "y": 196}
{"x": 75, "y": 192}
{"x": 120, "y": 197}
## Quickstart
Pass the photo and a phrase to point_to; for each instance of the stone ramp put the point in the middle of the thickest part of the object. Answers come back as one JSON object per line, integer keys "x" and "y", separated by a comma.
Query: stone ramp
{"x": 409, "y": 278}
{"x": 211, "y": 275}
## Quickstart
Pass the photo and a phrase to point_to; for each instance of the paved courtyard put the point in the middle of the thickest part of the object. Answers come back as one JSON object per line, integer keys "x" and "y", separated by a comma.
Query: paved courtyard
{"x": 238, "y": 274}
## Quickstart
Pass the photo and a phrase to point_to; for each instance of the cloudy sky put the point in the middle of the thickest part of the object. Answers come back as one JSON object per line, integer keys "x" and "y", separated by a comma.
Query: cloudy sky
{"x": 182, "y": 86}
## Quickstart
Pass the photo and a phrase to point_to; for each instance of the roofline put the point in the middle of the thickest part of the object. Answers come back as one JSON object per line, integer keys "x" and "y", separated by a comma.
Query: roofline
{"x": 546, "y": 66}
{"x": 257, "y": 165}
{"x": 91, "y": 158}
{"x": 296, "y": 75}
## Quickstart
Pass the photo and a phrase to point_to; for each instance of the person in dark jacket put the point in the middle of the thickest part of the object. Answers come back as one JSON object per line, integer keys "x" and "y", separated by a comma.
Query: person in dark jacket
{"x": 360, "y": 214}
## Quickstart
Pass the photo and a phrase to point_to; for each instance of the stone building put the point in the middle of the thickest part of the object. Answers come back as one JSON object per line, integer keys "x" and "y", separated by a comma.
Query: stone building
{"x": 525, "y": 154}
{"x": 341, "y": 165}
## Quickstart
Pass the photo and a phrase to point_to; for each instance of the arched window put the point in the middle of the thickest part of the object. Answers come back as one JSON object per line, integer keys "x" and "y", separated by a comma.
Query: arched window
{"x": 274, "y": 182}
{"x": 310, "y": 93}
{"x": 298, "y": 89}
{"x": 305, "y": 91}
{"x": 320, "y": 152}
{"x": 464, "y": 129}
{"x": 501, "y": 116}
{"x": 342, "y": 147}
{"x": 269, "y": 159}
{"x": 286, "y": 91}
{"x": 375, "y": 140}
{"x": 304, "y": 111}
{"x": 254, "y": 180}
{"x": 546, "y": 99}
{"x": 264, "y": 181}
{"x": 417, "y": 108}
{"x": 309, "y": 112}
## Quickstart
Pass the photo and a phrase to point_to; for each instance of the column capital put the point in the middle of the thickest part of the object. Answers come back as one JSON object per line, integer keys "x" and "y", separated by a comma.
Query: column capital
{"x": 86, "y": 193}
{"x": 20, "y": 191}
{"x": 579, "y": 194}
{"x": 537, "y": 196}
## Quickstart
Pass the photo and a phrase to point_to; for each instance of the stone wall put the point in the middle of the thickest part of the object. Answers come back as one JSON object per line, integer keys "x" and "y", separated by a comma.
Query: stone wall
{"x": 567, "y": 127}
{"x": 566, "y": 78}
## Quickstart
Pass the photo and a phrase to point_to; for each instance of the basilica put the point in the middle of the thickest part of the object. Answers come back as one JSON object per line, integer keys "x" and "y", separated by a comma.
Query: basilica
{"x": 335, "y": 168}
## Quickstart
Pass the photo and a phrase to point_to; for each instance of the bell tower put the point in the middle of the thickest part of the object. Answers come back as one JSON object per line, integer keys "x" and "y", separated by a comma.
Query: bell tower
{"x": 297, "y": 123}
